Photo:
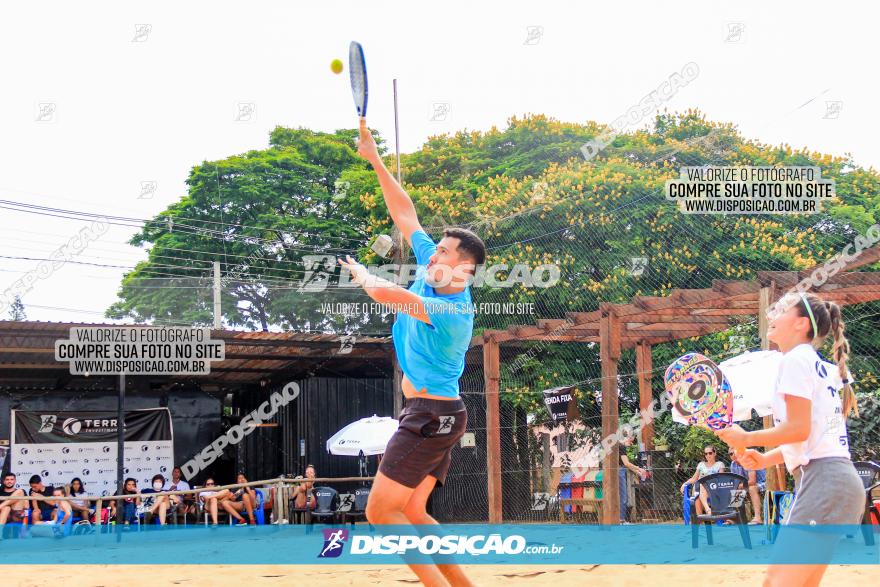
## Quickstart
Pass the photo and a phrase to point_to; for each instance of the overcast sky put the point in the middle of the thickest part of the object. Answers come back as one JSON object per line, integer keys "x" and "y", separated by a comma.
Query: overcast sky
{"x": 99, "y": 98}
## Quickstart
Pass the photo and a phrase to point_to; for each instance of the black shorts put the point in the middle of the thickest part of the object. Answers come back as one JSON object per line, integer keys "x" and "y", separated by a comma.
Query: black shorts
{"x": 422, "y": 445}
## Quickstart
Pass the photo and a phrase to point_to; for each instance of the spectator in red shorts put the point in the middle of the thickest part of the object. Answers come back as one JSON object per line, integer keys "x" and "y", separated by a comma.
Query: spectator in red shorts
{"x": 11, "y": 510}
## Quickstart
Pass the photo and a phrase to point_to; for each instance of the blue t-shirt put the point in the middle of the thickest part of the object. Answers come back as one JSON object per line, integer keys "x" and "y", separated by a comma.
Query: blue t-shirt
{"x": 760, "y": 474}
{"x": 432, "y": 355}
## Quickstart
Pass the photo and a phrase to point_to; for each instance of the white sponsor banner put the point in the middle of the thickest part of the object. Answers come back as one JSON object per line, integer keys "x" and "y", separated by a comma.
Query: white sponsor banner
{"x": 93, "y": 462}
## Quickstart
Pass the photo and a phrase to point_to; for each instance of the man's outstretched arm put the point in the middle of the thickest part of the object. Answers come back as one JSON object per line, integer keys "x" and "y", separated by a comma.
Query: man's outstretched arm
{"x": 386, "y": 292}
{"x": 399, "y": 204}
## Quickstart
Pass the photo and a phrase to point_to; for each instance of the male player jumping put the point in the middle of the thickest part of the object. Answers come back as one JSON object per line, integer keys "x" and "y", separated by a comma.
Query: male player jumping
{"x": 431, "y": 336}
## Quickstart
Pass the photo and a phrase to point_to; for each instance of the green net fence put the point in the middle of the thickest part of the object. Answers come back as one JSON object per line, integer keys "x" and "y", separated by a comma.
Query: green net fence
{"x": 589, "y": 229}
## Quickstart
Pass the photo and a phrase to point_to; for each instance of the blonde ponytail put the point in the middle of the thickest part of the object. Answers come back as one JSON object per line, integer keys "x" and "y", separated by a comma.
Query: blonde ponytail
{"x": 840, "y": 350}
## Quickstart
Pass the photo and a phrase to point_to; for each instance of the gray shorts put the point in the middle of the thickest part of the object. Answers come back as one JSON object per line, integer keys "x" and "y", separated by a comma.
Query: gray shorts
{"x": 828, "y": 495}
{"x": 828, "y": 491}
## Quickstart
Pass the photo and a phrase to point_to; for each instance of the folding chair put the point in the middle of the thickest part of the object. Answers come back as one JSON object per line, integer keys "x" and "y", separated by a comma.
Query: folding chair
{"x": 726, "y": 501}
{"x": 359, "y": 509}
{"x": 327, "y": 502}
{"x": 869, "y": 473}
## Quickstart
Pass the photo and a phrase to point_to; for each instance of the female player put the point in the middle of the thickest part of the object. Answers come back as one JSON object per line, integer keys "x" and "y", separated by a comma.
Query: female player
{"x": 809, "y": 412}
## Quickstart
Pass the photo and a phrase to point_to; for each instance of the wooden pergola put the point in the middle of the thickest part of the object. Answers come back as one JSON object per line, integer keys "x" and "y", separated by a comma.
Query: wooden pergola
{"x": 650, "y": 320}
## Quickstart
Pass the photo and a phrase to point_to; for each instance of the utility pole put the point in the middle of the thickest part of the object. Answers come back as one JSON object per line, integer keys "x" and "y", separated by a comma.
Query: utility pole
{"x": 120, "y": 451}
{"x": 218, "y": 324}
{"x": 397, "y": 259}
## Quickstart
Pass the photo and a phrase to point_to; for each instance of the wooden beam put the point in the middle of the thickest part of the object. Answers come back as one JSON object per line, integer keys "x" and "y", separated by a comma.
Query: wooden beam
{"x": 492, "y": 375}
{"x": 682, "y": 324}
{"x": 609, "y": 353}
{"x": 735, "y": 287}
{"x": 677, "y": 298}
{"x": 498, "y": 335}
{"x": 646, "y": 395}
{"x": 789, "y": 279}
{"x": 666, "y": 319}
{"x": 552, "y": 324}
{"x": 583, "y": 317}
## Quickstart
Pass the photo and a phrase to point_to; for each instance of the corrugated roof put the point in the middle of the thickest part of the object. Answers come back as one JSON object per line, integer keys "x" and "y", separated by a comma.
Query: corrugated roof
{"x": 27, "y": 354}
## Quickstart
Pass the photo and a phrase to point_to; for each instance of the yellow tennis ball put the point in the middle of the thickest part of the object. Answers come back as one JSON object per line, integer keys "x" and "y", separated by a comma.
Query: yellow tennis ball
{"x": 336, "y": 66}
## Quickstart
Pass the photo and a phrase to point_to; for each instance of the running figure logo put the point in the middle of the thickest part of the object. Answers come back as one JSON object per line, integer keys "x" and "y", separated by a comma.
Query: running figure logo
{"x": 47, "y": 423}
{"x": 446, "y": 423}
{"x": 334, "y": 540}
{"x": 540, "y": 501}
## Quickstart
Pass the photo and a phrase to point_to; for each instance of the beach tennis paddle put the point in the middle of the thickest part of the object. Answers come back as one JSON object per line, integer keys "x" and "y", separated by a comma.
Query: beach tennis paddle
{"x": 699, "y": 392}
{"x": 357, "y": 68}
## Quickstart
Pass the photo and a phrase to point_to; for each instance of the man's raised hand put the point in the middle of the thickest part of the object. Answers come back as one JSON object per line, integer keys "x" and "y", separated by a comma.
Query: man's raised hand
{"x": 366, "y": 145}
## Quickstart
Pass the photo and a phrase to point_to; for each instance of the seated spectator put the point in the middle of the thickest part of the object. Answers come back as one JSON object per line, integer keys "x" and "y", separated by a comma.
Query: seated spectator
{"x": 129, "y": 504}
{"x": 757, "y": 483}
{"x": 61, "y": 509}
{"x": 704, "y": 468}
{"x": 302, "y": 492}
{"x": 210, "y": 499}
{"x": 244, "y": 498}
{"x": 80, "y": 507}
{"x": 11, "y": 510}
{"x": 181, "y": 504}
{"x": 53, "y": 524}
{"x": 42, "y": 511}
{"x": 159, "y": 504}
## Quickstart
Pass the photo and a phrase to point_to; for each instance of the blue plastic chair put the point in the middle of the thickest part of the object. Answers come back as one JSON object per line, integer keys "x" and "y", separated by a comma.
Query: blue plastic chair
{"x": 259, "y": 514}
{"x": 565, "y": 493}
{"x": 686, "y": 504}
{"x": 68, "y": 526}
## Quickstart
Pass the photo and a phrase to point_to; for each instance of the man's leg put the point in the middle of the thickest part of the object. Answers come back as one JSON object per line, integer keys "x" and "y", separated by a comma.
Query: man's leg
{"x": 416, "y": 512}
{"x": 4, "y": 514}
{"x": 386, "y": 505}
{"x": 756, "y": 502}
{"x": 621, "y": 474}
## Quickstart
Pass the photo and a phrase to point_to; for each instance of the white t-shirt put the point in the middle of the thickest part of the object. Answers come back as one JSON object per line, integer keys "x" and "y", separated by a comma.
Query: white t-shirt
{"x": 803, "y": 373}
{"x": 179, "y": 486}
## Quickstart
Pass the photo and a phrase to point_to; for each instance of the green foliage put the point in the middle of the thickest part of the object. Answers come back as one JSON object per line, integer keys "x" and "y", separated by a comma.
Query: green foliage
{"x": 695, "y": 441}
{"x": 258, "y": 214}
{"x": 528, "y": 192}
{"x": 16, "y": 310}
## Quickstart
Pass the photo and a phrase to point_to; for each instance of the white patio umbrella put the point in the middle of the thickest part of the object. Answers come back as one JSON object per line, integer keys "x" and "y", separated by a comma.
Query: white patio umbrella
{"x": 369, "y": 436}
